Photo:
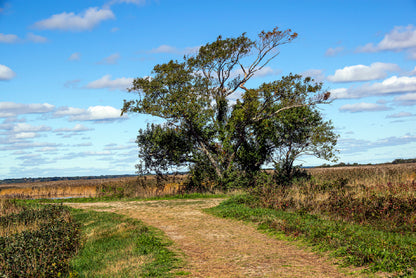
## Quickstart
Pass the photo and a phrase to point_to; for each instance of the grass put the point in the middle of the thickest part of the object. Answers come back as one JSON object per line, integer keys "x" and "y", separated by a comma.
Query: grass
{"x": 115, "y": 198}
{"x": 118, "y": 246}
{"x": 358, "y": 245}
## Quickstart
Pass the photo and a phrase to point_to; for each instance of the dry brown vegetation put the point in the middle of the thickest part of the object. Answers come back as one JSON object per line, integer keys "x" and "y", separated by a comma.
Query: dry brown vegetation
{"x": 116, "y": 187}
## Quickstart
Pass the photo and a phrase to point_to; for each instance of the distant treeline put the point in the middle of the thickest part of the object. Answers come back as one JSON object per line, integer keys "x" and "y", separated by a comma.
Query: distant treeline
{"x": 28, "y": 180}
{"x": 396, "y": 161}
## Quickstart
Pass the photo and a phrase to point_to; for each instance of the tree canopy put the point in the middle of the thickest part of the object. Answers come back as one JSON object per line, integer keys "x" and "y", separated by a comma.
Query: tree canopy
{"x": 215, "y": 125}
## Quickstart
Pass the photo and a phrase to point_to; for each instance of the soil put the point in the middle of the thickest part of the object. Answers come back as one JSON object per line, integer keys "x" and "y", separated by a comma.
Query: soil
{"x": 216, "y": 247}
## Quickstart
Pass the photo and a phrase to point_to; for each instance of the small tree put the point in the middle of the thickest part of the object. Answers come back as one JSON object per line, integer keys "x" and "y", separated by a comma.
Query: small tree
{"x": 203, "y": 128}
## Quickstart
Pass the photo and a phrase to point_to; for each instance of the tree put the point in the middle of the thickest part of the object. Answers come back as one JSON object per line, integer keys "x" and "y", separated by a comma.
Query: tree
{"x": 204, "y": 128}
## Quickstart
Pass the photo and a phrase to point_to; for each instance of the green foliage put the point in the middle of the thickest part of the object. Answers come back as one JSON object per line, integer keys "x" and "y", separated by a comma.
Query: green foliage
{"x": 42, "y": 252}
{"x": 356, "y": 244}
{"x": 216, "y": 138}
{"x": 118, "y": 246}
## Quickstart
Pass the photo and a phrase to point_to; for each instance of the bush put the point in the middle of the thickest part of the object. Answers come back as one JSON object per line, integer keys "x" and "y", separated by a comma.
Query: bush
{"x": 44, "y": 251}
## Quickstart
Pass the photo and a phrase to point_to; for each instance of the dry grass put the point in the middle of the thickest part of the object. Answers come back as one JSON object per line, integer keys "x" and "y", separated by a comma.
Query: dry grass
{"x": 121, "y": 187}
{"x": 372, "y": 175}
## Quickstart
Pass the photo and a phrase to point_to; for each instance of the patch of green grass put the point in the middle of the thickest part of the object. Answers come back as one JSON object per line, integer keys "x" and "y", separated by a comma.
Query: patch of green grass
{"x": 112, "y": 199}
{"x": 357, "y": 245}
{"x": 118, "y": 246}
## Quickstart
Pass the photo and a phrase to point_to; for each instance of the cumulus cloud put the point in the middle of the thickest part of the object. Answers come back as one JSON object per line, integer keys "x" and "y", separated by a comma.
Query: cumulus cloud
{"x": 86, "y": 20}
{"x": 75, "y": 57}
{"x": 110, "y": 60}
{"x": 406, "y": 99}
{"x": 400, "y": 38}
{"x": 8, "y": 38}
{"x": 93, "y": 113}
{"x": 363, "y": 73}
{"x": 390, "y": 86}
{"x": 334, "y": 51}
{"x": 6, "y": 73}
{"x": 35, "y": 38}
{"x": 98, "y": 114}
{"x": 11, "y": 109}
{"x": 363, "y": 107}
{"x": 105, "y": 82}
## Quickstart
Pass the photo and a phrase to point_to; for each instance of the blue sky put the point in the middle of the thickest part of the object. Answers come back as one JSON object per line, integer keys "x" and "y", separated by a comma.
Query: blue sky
{"x": 65, "y": 65}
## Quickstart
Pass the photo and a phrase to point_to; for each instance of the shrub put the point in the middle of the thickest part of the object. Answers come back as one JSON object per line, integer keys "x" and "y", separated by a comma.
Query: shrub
{"x": 44, "y": 251}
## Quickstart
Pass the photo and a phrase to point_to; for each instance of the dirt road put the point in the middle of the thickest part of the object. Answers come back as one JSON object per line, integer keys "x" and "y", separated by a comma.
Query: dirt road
{"x": 216, "y": 247}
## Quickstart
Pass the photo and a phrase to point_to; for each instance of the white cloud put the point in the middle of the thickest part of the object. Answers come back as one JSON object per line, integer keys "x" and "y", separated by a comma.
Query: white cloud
{"x": 400, "y": 38}
{"x": 76, "y": 128}
{"x": 36, "y": 39}
{"x": 76, "y": 22}
{"x": 98, "y": 113}
{"x": 412, "y": 53}
{"x": 23, "y": 127}
{"x": 137, "y": 2}
{"x": 363, "y": 107}
{"x": 68, "y": 111}
{"x": 316, "y": 74}
{"x": 6, "y": 73}
{"x": 390, "y": 86}
{"x": 401, "y": 115}
{"x": 75, "y": 57}
{"x": 105, "y": 82}
{"x": 334, "y": 51}
{"x": 356, "y": 145}
{"x": 11, "y": 109}
{"x": 110, "y": 60}
{"x": 266, "y": 71}
{"x": 8, "y": 38}
{"x": 173, "y": 50}
{"x": 165, "y": 49}
{"x": 363, "y": 73}
{"x": 406, "y": 100}
{"x": 25, "y": 135}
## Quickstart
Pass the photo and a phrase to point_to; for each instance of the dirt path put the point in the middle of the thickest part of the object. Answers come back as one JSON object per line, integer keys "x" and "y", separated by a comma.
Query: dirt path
{"x": 216, "y": 247}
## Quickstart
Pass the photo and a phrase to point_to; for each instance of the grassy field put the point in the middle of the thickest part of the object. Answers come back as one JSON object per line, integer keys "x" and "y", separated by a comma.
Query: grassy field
{"x": 364, "y": 215}
{"x": 55, "y": 241}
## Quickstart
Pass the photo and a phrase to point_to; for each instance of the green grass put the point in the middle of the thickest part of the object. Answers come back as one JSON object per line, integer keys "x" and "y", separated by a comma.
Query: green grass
{"x": 112, "y": 199}
{"x": 355, "y": 244}
{"x": 118, "y": 246}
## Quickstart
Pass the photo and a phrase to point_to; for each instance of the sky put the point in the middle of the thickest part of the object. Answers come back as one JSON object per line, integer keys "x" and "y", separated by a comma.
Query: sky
{"x": 65, "y": 67}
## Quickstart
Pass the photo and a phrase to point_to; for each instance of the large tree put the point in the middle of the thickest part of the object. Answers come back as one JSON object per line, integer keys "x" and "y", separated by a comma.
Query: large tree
{"x": 212, "y": 121}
